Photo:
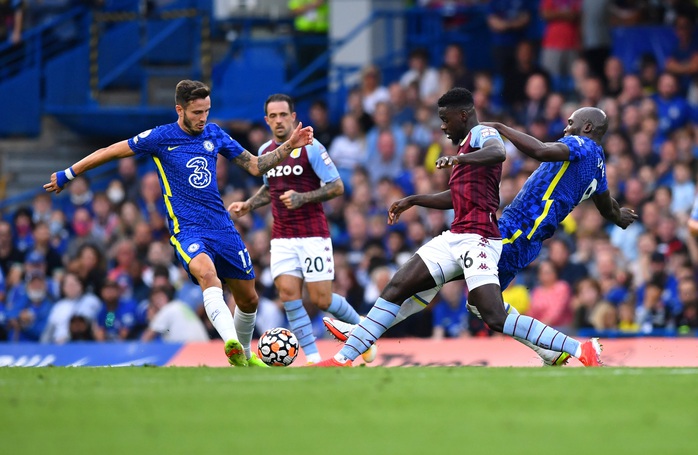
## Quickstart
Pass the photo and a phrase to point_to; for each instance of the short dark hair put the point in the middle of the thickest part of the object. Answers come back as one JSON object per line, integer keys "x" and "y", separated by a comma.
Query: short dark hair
{"x": 320, "y": 104}
{"x": 165, "y": 289}
{"x": 420, "y": 52}
{"x": 279, "y": 97}
{"x": 188, "y": 91}
{"x": 457, "y": 97}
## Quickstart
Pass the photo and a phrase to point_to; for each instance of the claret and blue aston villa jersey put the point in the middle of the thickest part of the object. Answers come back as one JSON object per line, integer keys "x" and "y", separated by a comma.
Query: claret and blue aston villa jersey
{"x": 304, "y": 170}
{"x": 475, "y": 189}
{"x": 562, "y": 184}
{"x": 186, "y": 166}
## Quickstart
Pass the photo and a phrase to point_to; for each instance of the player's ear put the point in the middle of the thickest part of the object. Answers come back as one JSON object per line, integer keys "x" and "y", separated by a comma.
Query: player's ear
{"x": 587, "y": 127}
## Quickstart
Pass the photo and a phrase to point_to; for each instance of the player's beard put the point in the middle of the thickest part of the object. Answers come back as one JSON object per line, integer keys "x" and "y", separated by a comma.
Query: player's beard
{"x": 189, "y": 125}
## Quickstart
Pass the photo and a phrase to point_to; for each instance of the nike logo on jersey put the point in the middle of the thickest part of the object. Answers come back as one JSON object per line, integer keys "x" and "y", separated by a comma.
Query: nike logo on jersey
{"x": 248, "y": 271}
{"x": 169, "y": 149}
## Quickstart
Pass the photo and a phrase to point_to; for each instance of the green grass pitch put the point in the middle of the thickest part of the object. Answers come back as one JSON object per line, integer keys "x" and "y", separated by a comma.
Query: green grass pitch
{"x": 468, "y": 410}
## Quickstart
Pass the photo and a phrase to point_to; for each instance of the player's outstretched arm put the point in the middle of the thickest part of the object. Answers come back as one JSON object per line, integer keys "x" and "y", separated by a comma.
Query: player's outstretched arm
{"x": 331, "y": 190}
{"x": 612, "y": 211}
{"x": 440, "y": 201}
{"x": 529, "y": 145}
{"x": 261, "y": 198}
{"x": 259, "y": 165}
{"x": 492, "y": 152}
{"x": 115, "y": 151}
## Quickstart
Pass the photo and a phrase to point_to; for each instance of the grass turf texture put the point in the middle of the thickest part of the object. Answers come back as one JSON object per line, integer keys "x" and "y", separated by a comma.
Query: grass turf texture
{"x": 348, "y": 411}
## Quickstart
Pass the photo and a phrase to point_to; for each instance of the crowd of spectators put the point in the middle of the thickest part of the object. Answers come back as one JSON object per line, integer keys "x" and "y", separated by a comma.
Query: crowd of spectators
{"x": 97, "y": 265}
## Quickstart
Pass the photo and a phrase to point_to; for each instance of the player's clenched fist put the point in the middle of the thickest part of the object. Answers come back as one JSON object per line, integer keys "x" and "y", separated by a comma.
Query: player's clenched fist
{"x": 292, "y": 200}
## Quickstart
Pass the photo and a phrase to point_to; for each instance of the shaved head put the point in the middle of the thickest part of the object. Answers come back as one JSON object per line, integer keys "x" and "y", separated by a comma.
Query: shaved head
{"x": 596, "y": 117}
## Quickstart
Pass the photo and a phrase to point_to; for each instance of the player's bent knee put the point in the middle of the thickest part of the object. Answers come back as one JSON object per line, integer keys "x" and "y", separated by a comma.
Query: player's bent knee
{"x": 208, "y": 279}
{"x": 486, "y": 296}
{"x": 248, "y": 304}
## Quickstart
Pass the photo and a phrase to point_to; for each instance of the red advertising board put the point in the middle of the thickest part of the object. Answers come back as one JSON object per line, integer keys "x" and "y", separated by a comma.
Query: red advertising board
{"x": 497, "y": 352}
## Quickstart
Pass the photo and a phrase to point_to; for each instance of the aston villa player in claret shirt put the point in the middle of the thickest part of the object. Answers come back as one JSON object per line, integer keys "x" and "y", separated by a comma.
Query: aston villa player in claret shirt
{"x": 301, "y": 248}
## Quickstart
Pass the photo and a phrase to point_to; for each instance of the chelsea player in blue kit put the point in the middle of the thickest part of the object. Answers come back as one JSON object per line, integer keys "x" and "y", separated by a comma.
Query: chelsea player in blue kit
{"x": 573, "y": 170}
{"x": 202, "y": 232}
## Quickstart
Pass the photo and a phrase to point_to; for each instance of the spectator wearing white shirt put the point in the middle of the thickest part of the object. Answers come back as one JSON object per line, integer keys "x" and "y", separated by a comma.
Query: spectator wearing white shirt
{"x": 372, "y": 92}
{"x": 348, "y": 150}
{"x": 75, "y": 302}
{"x": 425, "y": 76}
{"x": 174, "y": 321}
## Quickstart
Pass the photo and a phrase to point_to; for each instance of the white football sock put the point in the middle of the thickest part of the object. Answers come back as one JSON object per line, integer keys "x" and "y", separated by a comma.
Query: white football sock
{"x": 219, "y": 314}
{"x": 244, "y": 326}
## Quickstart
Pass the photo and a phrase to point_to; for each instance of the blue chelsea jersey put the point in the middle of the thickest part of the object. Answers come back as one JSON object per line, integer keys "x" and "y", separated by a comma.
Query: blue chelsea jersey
{"x": 186, "y": 166}
{"x": 556, "y": 188}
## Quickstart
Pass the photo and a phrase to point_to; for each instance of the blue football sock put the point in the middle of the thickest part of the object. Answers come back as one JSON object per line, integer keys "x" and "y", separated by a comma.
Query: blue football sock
{"x": 370, "y": 329}
{"x": 340, "y": 309}
{"x": 539, "y": 334}
{"x": 301, "y": 326}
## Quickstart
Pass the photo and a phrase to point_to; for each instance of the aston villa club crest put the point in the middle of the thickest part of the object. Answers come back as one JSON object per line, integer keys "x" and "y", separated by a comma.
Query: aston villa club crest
{"x": 296, "y": 153}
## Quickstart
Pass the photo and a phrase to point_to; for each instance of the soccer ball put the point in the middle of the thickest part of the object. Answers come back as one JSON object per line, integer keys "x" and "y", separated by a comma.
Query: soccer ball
{"x": 277, "y": 347}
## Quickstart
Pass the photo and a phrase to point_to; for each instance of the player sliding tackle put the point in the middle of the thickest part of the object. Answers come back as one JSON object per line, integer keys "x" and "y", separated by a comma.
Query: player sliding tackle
{"x": 574, "y": 171}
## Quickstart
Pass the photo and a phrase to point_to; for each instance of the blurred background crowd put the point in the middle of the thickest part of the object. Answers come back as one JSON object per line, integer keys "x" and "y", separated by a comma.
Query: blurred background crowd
{"x": 97, "y": 265}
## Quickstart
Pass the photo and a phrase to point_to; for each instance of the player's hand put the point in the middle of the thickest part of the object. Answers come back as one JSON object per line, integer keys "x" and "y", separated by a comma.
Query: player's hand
{"x": 396, "y": 209}
{"x": 292, "y": 200}
{"x": 52, "y": 186}
{"x": 627, "y": 217}
{"x": 301, "y": 136}
{"x": 447, "y": 161}
{"x": 239, "y": 209}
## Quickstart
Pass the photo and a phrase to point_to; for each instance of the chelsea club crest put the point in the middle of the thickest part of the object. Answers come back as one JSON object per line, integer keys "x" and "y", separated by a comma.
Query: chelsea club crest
{"x": 208, "y": 145}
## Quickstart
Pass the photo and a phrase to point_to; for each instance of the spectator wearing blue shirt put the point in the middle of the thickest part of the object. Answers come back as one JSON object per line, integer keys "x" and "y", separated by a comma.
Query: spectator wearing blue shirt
{"x": 117, "y": 316}
{"x": 18, "y": 295}
{"x": 672, "y": 109}
{"x": 653, "y": 314}
{"x": 668, "y": 284}
{"x": 388, "y": 160}
{"x": 24, "y": 227}
{"x": 508, "y": 21}
{"x": 450, "y": 313}
{"x": 29, "y": 316}
{"x": 383, "y": 118}
{"x": 683, "y": 58}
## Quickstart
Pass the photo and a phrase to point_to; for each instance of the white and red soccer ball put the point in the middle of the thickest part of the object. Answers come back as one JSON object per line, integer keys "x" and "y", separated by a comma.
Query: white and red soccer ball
{"x": 278, "y": 347}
